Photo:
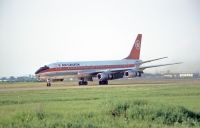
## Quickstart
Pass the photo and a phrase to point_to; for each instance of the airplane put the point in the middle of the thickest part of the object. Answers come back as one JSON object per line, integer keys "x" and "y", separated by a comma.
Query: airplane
{"x": 85, "y": 71}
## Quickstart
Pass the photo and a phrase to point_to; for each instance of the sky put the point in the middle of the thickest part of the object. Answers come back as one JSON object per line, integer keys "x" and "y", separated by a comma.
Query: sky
{"x": 38, "y": 32}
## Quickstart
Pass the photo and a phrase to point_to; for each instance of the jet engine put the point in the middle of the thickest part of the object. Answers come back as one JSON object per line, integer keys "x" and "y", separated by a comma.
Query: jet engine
{"x": 104, "y": 76}
{"x": 130, "y": 73}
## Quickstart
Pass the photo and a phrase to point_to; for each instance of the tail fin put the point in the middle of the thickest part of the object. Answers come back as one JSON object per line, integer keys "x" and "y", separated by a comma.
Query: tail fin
{"x": 135, "y": 52}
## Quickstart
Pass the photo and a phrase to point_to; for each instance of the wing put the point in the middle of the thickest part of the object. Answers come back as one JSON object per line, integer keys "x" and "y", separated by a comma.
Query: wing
{"x": 152, "y": 60}
{"x": 93, "y": 73}
{"x": 110, "y": 74}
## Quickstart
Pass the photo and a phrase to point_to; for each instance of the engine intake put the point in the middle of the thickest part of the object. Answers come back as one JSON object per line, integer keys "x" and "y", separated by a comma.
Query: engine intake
{"x": 104, "y": 76}
{"x": 130, "y": 73}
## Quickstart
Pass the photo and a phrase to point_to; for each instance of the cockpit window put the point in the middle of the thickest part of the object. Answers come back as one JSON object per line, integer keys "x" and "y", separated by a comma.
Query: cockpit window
{"x": 42, "y": 69}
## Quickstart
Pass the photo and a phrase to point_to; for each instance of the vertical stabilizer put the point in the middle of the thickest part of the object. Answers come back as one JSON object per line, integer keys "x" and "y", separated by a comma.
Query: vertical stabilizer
{"x": 135, "y": 51}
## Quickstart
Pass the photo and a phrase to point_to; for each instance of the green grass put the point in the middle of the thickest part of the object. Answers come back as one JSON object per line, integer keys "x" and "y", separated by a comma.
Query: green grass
{"x": 145, "y": 105}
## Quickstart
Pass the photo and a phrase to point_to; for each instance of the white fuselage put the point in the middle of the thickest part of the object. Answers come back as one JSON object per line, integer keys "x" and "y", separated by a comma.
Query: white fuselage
{"x": 69, "y": 69}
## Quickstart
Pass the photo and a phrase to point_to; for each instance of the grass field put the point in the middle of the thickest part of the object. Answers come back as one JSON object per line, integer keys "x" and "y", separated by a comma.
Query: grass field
{"x": 142, "y": 105}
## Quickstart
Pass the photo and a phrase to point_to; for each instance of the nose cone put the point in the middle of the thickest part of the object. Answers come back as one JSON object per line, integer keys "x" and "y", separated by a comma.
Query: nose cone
{"x": 41, "y": 69}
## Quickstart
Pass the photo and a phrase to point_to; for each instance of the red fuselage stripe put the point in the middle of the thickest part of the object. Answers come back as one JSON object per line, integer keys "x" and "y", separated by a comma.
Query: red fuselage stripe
{"x": 87, "y": 68}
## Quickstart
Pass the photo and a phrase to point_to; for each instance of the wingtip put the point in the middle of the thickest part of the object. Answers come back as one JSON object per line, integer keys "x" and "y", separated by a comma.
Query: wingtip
{"x": 164, "y": 57}
{"x": 180, "y": 62}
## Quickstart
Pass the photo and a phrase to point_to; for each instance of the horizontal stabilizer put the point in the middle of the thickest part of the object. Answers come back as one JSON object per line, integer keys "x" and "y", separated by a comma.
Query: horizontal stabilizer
{"x": 142, "y": 68}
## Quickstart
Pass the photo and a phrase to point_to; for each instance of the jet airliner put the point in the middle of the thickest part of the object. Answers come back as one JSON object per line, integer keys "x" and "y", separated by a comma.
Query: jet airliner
{"x": 85, "y": 71}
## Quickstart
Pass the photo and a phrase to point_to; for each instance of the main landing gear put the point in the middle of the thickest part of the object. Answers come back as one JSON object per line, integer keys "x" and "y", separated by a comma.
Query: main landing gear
{"x": 103, "y": 82}
{"x": 81, "y": 82}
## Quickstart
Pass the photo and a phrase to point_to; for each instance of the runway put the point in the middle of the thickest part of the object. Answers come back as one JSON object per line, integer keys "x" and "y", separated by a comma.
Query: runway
{"x": 27, "y": 86}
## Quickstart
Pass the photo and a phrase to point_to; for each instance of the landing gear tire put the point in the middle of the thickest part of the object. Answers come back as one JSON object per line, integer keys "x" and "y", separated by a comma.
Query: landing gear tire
{"x": 83, "y": 83}
{"x": 139, "y": 74}
{"x": 103, "y": 82}
{"x": 48, "y": 84}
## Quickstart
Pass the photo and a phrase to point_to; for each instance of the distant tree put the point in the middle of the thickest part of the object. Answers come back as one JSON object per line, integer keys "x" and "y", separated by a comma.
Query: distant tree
{"x": 11, "y": 78}
{"x": 29, "y": 78}
{"x": 20, "y": 79}
{"x": 3, "y": 78}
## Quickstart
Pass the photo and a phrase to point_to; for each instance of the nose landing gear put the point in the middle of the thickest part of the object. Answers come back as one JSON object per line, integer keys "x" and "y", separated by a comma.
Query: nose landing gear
{"x": 48, "y": 82}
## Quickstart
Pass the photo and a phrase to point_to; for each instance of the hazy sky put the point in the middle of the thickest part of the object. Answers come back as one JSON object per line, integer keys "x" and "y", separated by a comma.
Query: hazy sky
{"x": 37, "y": 32}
